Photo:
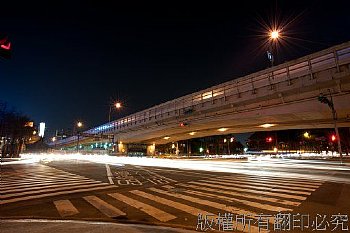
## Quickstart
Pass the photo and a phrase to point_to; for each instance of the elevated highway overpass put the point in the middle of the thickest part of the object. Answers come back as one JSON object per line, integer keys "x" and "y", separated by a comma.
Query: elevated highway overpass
{"x": 280, "y": 97}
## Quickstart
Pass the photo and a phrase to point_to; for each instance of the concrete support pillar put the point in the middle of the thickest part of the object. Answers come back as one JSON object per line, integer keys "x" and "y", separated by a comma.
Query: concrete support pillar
{"x": 151, "y": 150}
{"x": 122, "y": 148}
{"x": 177, "y": 149}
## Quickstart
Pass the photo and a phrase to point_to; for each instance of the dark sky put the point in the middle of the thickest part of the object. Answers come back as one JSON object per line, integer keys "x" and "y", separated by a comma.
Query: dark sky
{"x": 70, "y": 59}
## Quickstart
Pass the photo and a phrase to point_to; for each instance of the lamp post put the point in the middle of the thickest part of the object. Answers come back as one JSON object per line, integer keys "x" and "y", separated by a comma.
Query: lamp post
{"x": 325, "y": 100}
{"x": 54, "y": 139}
{"x": 117, "y": 106}
{"x": 79, "y": 125}
{"x": 273, "y": 38}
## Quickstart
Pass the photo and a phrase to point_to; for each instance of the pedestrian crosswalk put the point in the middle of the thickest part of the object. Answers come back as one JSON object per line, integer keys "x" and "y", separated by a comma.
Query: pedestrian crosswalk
{"x": 239, "y": 195}
{"x": 40, "y": 181}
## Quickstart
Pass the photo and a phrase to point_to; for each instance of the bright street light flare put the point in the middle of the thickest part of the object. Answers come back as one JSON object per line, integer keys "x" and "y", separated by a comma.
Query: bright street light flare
{"x": 274, "y": 34}
{"x": 118, "y": 105}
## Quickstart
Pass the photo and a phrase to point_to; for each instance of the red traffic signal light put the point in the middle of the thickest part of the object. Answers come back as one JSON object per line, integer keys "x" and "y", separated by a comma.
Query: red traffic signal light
{"x": 182, "y": 124}
{"x": 5, "y": 47}
{"x": 333, "y": 138}
{"x": 269, "y": 139}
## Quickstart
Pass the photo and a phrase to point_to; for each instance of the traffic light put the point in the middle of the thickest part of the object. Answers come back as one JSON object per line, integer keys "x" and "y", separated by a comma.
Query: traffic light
{"x": 269, "y": 139}
{"x": 333, "y": 138}
{"x": 5, "y": 47}
{"x": 183, "y": 124}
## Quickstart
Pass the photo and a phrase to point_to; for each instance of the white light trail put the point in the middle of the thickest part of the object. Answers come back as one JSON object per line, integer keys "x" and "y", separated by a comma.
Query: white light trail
{"x": 263, "y": 165}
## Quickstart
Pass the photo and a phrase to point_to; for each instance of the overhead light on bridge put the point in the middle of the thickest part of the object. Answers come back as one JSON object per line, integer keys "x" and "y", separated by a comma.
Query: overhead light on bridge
{"x": 222, "y": 129}
{"x": 166, "y": 138}
{"x": 192, "y": 133}
{"x": 267, "y": 125}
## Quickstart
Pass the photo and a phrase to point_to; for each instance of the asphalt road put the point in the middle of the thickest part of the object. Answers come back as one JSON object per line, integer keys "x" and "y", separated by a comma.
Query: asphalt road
{"x": 220, "y": 195}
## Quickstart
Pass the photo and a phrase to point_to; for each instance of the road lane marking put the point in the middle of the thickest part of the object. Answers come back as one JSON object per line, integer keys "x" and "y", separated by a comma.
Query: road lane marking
{"x": 232, "y": 183}
{"x": 177, "y": 205}
{"x": 65, "y": 208}
{"x": 52, "y": 194}
{"x": 51, "y": 190}
{"x": 150, "y": 210}
{"x": 302, "y": 198}
{"x": 109, "y": 174}
{"x": 212, "y": 204}
{"x": 104, "y": 207}
{"x": 244, "y": 195}
{"x": 264, "y": 183}
{"x": 155, "y": 174}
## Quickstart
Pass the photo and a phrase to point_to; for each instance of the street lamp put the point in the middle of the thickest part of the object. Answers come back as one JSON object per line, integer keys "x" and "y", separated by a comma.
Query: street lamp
{"x": 306, "y": 135}
{"x": 79, "y": 125}
{"x": 274, "y": 35}
{"x": 323, "y": 99}
{"x": 117, "y": 106}
{"x": 54, "y": 139}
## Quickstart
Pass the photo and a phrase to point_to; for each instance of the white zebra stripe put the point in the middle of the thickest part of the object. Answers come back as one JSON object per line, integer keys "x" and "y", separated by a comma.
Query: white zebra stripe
{"x": 237, "y": 194}
{"x": 212, "y": 204}
{"x": 262, "y": 187}
{"x": 50, "y": 190}
{"x": 46, "y": 186}
{"x": 185, "y": 208}
{"x": 251, "y": 191}
{"x": 264, "y": 183}
{"x": 104, "y": 207}
{"x": 300, "y": 182}
{"x": 52, "y": 194}
{"x": 150, "y": 210}
{"x": 65, "y": 208}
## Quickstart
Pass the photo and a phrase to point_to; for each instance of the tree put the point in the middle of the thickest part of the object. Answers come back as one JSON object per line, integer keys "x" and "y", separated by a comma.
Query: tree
{"x": 14, "y": 131}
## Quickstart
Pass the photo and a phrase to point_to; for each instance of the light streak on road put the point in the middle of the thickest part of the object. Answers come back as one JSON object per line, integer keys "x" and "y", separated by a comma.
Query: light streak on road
{"x": 262, "y": 166}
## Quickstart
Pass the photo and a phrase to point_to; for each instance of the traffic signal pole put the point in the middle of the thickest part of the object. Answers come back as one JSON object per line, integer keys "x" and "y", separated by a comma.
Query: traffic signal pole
{"x": 325, "y": 100}
{"x": 334, "y": 113}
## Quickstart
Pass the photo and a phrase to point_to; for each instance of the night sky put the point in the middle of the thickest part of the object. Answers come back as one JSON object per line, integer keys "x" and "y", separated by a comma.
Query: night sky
{"x": 71, "y": 59}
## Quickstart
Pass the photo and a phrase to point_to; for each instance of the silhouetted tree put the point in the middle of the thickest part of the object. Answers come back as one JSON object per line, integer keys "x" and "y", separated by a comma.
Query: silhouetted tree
{"x": 13, "y": 131}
